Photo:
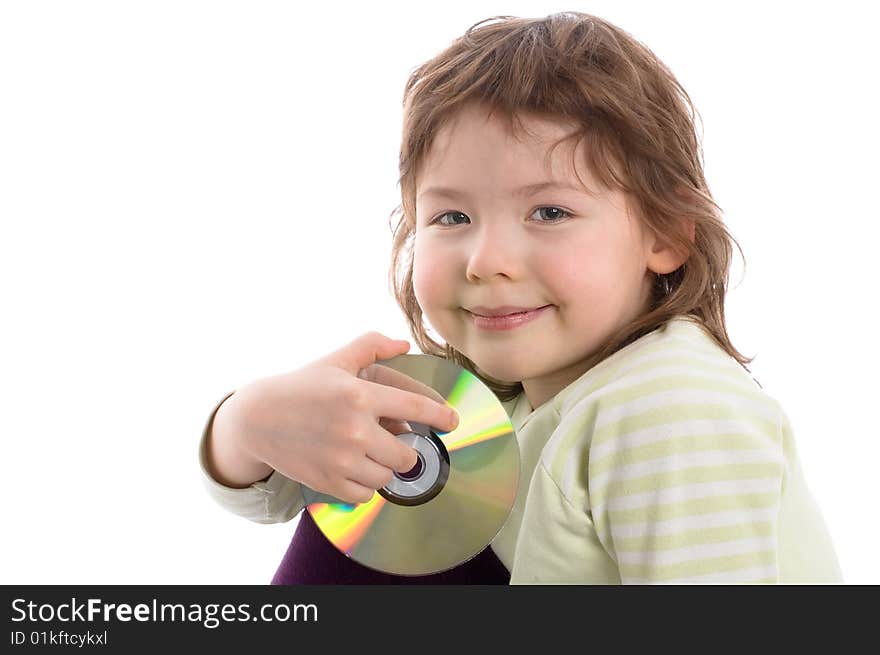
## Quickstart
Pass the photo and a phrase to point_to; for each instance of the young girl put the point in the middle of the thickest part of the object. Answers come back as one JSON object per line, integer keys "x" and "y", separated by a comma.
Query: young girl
{"x": 557, "y": 233}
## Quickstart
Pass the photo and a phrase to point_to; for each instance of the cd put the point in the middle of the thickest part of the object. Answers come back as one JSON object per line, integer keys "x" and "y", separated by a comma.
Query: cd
{"x": 452, "y": 503}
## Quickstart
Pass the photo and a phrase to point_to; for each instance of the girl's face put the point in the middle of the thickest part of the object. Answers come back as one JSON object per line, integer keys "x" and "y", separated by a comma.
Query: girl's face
{"x": 483, "y": 240}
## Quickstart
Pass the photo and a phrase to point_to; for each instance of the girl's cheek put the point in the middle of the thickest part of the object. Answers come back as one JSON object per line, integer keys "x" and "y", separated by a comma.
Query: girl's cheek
{"x": 427, "y": 277}
{"x": 435, "y": 277}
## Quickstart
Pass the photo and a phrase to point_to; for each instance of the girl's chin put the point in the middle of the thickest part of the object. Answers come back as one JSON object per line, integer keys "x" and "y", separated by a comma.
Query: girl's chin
{"x": 501, "y": 366}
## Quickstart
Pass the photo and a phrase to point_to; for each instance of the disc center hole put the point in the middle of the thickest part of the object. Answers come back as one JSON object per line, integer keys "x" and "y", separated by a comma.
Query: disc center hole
{"x": 415, "y": 472}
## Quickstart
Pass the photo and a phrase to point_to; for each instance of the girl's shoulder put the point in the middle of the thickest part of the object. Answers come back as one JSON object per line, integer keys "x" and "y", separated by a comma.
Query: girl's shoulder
{"x": 680, "y": 367}
{"x": 671, "y": 400}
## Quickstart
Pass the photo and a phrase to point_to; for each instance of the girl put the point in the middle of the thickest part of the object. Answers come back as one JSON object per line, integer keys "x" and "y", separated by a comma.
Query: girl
{"x": 557, "y": 233}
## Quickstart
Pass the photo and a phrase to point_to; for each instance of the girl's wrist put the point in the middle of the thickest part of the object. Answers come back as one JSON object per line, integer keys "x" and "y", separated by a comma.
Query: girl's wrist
{"x": 230, "y": 462}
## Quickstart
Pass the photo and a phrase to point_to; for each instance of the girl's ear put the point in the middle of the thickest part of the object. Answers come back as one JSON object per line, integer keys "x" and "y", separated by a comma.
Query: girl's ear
{"x": 663, "y": 257}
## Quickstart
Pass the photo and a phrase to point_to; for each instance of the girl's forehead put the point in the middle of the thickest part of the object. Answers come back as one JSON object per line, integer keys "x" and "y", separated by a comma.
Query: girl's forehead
{"x": 526, "y": 129}
{"x": 473, "y": 143}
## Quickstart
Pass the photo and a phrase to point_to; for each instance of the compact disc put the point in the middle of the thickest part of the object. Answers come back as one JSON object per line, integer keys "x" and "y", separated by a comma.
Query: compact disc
{"x": 456, "y": 498}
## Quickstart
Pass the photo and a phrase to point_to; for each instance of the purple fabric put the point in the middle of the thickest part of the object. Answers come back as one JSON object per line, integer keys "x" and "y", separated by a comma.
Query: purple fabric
{"x": 312, "y": 560}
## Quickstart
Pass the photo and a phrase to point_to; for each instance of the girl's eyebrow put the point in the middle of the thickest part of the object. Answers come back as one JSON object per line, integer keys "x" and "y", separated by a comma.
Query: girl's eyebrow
{"x": 528, "y": 190}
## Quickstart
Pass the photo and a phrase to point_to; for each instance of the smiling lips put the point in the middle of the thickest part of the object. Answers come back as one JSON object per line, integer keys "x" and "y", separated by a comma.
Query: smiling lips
{"x": 505, "y": 317}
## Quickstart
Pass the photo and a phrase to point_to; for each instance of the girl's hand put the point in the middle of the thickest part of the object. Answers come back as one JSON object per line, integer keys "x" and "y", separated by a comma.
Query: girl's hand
{"x": 331, "y": 424}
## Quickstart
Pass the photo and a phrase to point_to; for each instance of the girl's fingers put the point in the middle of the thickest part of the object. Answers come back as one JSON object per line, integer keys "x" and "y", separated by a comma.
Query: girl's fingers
{"x": 354, "y": 492}
{"x": 365, "y": 350}
{"x": 392, "y": 378}
{"x": 390, "y": 452}
{"x": 371, "y": 475}
{"x": 395, "y": 403}
{"x": 394, "y": 426}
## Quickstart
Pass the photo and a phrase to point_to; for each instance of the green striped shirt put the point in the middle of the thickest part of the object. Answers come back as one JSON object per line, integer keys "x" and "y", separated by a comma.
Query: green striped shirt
{"x": 665, "y": 463}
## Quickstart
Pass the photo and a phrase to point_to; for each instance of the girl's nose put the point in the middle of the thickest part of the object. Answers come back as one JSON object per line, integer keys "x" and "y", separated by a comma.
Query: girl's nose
{"x": 492, "y": 252}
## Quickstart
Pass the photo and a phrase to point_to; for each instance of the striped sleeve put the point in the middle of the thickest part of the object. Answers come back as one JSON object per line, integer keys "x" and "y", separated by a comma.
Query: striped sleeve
{"x": 685, "y": 477}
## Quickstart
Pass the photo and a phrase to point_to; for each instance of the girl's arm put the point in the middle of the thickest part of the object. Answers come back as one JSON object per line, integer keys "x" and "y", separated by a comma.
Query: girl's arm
{"x": 227, "y": 463}
{"x": 274, "y": 500}
{"x": 701, "y": 484}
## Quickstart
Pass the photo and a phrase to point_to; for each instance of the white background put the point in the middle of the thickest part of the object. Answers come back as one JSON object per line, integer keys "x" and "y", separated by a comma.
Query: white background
{"x": 196, "y": 194}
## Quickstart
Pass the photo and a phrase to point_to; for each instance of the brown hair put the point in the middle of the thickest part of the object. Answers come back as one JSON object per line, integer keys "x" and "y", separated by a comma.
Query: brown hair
{"x": 634, "y": 117}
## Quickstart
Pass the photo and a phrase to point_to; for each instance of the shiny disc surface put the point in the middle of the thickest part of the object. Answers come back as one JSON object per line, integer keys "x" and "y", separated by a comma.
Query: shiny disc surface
{"x": 453, "y": 503}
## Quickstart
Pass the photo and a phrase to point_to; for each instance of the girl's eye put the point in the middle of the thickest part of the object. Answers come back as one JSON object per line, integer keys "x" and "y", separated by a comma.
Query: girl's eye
{"x": 439, "y": 219}
{"x": 554, "y": 213}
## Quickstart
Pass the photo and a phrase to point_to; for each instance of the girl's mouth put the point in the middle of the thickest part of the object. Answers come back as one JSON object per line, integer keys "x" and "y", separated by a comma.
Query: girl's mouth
{"x": 508, "y": 321}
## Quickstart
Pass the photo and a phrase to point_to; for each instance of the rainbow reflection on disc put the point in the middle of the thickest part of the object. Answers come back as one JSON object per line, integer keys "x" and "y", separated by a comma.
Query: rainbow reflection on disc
{"x": 453, "y": 503}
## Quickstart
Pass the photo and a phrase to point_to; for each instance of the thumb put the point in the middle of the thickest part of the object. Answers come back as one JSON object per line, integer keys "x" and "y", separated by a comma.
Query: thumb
{"x": 368, "y": 349}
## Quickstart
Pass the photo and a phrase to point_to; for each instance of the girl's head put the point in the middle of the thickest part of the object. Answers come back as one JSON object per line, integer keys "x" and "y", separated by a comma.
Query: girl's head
{"x": 629, "y": 238}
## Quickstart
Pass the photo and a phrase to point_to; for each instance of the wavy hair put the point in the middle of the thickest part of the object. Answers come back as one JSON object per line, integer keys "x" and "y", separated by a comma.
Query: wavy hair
{"x": 637, "y": 123}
